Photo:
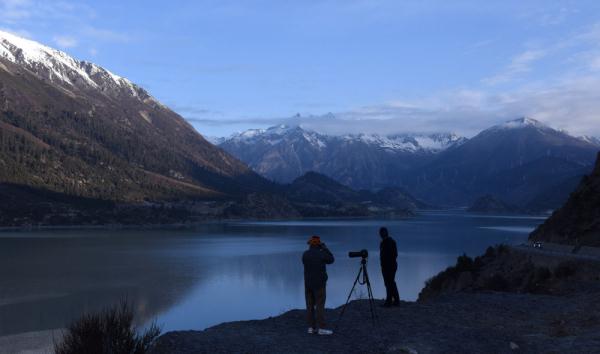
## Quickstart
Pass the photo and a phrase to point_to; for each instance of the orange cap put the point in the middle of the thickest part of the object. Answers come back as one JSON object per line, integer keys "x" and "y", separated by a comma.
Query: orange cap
{"x": 314, "y": 241}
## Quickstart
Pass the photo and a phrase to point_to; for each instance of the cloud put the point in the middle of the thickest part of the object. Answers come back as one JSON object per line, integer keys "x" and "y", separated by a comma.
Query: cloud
{"x": 105, "y": 35}
{"x": 74, "y": 16}
{"x": 572, "y": 105}
{"x": 568, "y": 103}
{"x": 520, "y": 64}
{"x": 568, "y": 98}
{"x": 14, "y": 10}
{"x": 65, "y": 41}
{"x": 193, "y": 111}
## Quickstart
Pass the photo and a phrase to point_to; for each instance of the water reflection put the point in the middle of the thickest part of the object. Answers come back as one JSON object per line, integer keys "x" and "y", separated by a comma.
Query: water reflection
{"x": 222, "y": 271}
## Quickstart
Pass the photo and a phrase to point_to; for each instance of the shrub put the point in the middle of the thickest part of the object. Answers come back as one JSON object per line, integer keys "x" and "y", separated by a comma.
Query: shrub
{"x": 496, "y": 283}
{"x": 464, "y": 263}
{"x": 542, "y": 274}
{"x": 565, "y": 269}
{"x": 501, "y": 249}
{"x": 490, "y": 252}
{"x": 109, "y": 331}
{"x": 535, "y": 282}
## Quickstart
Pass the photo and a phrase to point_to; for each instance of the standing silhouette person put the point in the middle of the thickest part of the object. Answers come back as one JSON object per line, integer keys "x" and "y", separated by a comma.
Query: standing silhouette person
{"x": 315, "y": 260}
{"x": 388, "y": 254}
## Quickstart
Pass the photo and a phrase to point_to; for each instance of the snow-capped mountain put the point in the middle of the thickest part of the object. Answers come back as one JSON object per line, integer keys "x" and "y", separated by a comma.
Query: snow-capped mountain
{"x": 410, "y": 142}
{"x": 61, "y": 70}
{"x": 283, "y": 153}
{"x": 522, "y": 161}
{"x": 82, "y": 130}
{"x": 394, "y": 143}
{"x": 520, "y": 123}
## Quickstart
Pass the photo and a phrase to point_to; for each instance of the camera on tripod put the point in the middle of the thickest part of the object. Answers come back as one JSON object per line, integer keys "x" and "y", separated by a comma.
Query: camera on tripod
{"x": 361, "y": 253}
{"x": 363, "y": 279}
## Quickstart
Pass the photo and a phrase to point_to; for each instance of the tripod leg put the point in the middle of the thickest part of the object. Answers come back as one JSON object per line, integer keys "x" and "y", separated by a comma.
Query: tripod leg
{"x": 373, "y": 308}
{"x": 371, "y": 298}
{"x": 348, "y": 299}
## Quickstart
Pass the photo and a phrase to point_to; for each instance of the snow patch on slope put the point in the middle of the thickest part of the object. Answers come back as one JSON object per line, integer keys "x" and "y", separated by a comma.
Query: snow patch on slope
{"x": 590, "y": 139}
{"x": 521, "y": 123}
{"x": 60, "y": 68}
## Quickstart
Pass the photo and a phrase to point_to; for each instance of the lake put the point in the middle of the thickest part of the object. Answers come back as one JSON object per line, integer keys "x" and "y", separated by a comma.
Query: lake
{"x": 194, "y": 278}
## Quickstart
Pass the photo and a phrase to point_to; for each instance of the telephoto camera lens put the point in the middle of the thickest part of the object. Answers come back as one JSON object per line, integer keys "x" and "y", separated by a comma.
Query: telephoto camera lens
{"x": 361, "y": 253}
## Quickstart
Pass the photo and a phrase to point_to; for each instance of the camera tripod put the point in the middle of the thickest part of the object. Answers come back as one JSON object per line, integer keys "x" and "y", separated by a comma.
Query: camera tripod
{"x": 365, "y": 281}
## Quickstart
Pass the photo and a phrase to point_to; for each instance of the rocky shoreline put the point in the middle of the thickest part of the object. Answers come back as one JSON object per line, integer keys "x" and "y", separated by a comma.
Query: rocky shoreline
{"x": 454, "y": 323}
{"x": 560, "y": 314}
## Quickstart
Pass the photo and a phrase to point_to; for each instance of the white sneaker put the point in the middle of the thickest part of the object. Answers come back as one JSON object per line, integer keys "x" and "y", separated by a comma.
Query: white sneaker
{"x": 325, "y": 332}
{"x": 311, "y": 330}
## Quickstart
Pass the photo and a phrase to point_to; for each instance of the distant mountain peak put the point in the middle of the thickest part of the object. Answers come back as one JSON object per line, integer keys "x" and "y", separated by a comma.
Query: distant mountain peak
{"x": 523, "y": 122}
{"x": 409, "y": 142}
{"x": 285, "y": 134}
{"x": 527, "y": 123}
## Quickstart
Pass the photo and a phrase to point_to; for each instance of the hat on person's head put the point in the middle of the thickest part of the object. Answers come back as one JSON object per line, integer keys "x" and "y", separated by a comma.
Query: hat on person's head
{"x": 314, "y": 241}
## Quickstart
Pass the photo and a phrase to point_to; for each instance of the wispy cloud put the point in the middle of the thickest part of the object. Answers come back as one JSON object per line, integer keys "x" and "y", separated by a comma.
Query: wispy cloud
{"x": 65, "y": 41}
{"x": 519, "y": 64}
{"x": 14, "y": 10}
{"x": 569, "y": 104}
{"x": 568, "y": 100}
{"x": 105, "y": 34}
{"x": 16, "y": 14}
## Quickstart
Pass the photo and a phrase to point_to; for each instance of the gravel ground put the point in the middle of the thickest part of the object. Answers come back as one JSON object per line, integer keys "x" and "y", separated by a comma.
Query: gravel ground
{"x": 40, "y": 342}
{"x": 457, "y": 323}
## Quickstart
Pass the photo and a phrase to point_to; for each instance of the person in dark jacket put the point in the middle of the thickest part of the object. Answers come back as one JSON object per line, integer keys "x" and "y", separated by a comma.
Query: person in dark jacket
{"x": 388, "y": 254}
{"x": 315, "y": 260}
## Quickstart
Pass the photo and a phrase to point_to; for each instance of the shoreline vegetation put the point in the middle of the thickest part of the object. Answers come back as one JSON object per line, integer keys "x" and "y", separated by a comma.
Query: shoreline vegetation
{"x": 310, "y": 196}
{"x": 191, "y": 225}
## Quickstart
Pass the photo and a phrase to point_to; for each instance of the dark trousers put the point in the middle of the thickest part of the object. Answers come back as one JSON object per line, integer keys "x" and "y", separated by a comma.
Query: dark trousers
{"x": 389, "y": 279}
{"x": 315, "y": 307}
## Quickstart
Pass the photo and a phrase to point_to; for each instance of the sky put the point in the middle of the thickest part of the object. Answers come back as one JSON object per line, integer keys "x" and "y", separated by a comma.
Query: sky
{"x": 344, "y": 66}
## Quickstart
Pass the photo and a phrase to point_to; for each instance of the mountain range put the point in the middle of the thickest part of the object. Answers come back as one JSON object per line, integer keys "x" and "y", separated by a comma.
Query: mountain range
{"x": 81, "y": 145}
{"x": 363, "y": 161}
{"x": 522, "y": 162}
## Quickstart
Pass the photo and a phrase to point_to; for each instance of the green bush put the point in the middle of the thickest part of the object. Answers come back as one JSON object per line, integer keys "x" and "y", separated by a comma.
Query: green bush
{"x": 109, "y": 331}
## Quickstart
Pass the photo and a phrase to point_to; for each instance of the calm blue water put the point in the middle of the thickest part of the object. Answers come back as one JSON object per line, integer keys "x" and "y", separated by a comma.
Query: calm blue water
{"x": 194, "y": 278}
